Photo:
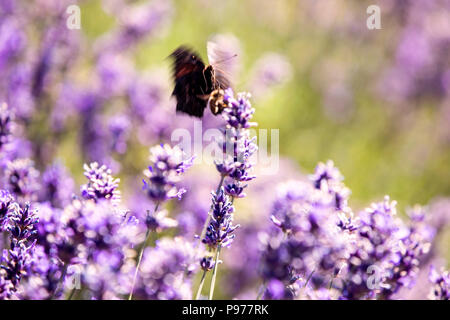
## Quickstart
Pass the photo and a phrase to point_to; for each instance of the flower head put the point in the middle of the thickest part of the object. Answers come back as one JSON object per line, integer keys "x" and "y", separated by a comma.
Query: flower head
{"x": 220, "y": 230}
{"x": 6, "y": 200}
{"x": 101, "y": 184}
{"x": 22, "y": 178}
{"x": 164, "y": 173}
{"x": 441, "y": 284}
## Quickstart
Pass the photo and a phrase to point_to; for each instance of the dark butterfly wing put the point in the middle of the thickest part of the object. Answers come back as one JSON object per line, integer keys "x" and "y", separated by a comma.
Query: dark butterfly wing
{"x": 193, "y": 82}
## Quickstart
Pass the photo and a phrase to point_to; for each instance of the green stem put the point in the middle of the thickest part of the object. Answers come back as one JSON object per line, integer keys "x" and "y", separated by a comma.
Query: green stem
{"x": 213, "y": 280}
{"x": 71, "y": 294}
{"x": 200, "y": 287}
{"x": 141, "y": 253}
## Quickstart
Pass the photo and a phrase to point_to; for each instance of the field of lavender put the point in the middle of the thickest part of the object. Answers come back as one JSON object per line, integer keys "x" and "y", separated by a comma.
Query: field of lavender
{"x": 106, "y": 192}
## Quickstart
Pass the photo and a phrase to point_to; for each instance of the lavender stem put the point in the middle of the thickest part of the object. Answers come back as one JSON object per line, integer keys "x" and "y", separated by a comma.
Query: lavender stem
{"x": 213, "y": 280}
{"x": 141, "y": 253}
{"x": 200, "y": 287}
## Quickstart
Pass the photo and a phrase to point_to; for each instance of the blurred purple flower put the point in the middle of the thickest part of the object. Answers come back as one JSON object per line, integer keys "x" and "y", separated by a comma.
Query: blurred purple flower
{"x": 22, "y": 178}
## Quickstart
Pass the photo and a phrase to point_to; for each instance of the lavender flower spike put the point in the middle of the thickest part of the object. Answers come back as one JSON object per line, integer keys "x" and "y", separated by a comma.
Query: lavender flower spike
{"x": 6, "y": 201}
{"x": 22, "y": 178}
{"x": 163, "y": 175}
{"x": 101, "y": 185}
{"x": 441, "y": 284}
{"x": 17, "y": 261}
{"x": 220, "y": 230}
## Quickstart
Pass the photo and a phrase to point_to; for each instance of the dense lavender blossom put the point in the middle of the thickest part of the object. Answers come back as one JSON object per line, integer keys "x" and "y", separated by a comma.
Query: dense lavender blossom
{"x": 166, "y": 270}
{"x": 324, "y": 248}
{"x": 164, "y": 173}
{"x": 413, "y": 245}
{"x": 17, "y": 261}
{"x": 312, "y": 247}
{"x": 220, "y": 230}
{"x": 6, "y": 200}
{"x": 441, "y": 284}
{"x": 237, "y": 146}
{"x": 328, "y": 178}
{"x": 22, "y": 178}
{"x": 101, "y": 184}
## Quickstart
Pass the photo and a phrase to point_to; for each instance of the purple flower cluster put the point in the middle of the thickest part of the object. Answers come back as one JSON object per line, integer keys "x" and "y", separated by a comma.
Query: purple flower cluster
{"x": 164, "y": 173}
{"x": 6, "y": 200}
{"x": 220, "y": 230}
{"x": 441, "y": 284}
{"x": 16, "y": 262}
{"x": 61, "y": 91}
{"x": 238, "y": 146}
{"x": 322, "y": 248}
{"x": 166, "y": 270}
{"x": 101, "y": 184}
{"x": 22, "y": 179}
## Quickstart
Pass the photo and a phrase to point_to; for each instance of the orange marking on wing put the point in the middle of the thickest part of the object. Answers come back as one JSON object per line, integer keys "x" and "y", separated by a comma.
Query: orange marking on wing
{"x": 184, "y": 70}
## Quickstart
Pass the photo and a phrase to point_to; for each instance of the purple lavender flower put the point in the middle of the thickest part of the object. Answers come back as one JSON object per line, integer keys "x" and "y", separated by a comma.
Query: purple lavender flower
{"x": 101, "y": 184}
{"x": 207, "y": 263}
{"x": 328, "y": 178}
{"x": 414, "y": 243}
{"x": 22, "y": 228}
{"x": 12, "y": 40}
{"x": 166, "y": 270}
{"x": 239, "y": 111}
{"x": 220, "y": 230}
{"x": 22, "y": 178}
{"x": 6, "y": 201}
{"x": 163, "y": 175}
{"x": 119, "y": 127}
{"x": 276, "y": 290}
{"x": 5, "y": 125}
{"x": 237, "y": 145}
{"x": 378, "y": 237}
{"x": 441, "y": 284}
{"x": 5, "y": 287}
{"x": 57, "y": 185}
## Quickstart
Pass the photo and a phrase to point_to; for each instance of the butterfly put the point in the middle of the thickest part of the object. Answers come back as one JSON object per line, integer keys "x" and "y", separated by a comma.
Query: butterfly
{"x": 198, "y": 85}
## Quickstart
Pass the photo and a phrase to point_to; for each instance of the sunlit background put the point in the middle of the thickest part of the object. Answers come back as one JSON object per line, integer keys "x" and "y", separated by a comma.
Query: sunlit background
{"x": 376, "y": 102}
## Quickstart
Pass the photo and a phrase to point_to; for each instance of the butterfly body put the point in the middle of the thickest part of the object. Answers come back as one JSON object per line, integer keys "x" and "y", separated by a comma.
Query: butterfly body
{"x": 194, "y": 81}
